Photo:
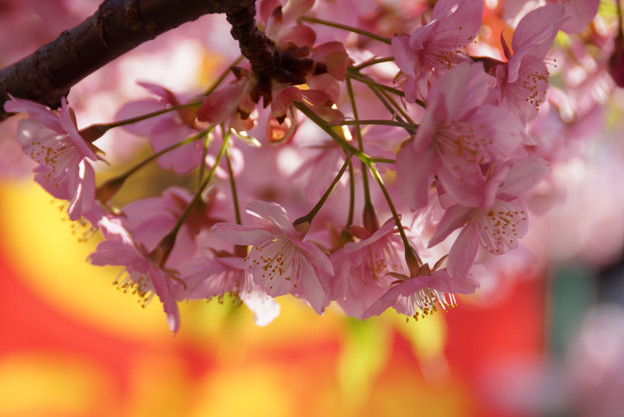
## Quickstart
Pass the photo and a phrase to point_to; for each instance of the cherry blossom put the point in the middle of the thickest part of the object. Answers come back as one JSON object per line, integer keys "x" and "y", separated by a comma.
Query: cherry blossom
{"x": 524, "y": 81}
{"x": 143, "y": 277}
{"x": 460, "y": 131}
{"x": 362, "y": 267}
{"x": 437, "y": 46}
{"x": 280, "y": 261}
{"x": 420, "y": 295}
{"x": 52, "y": 140}
{"x": 499, "y": 222}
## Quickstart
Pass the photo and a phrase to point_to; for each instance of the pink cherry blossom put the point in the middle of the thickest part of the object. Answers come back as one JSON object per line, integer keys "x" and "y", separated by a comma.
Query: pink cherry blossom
{"x": 52, "y": 140}
{"x": 524, "y": 81}
{"x": 499, "y": 222}
{"x": 437, "y": 46}
{"x": 143, "y": 278}
{"x": 420, "y": 295}
{"x": 279, "y": 261}
{"x": 362, "y": 267}
{"x": 460, "y": 131}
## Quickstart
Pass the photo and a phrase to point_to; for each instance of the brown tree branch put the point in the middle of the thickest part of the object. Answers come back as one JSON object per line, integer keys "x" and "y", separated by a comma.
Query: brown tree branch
{"x": 117, "y": 27}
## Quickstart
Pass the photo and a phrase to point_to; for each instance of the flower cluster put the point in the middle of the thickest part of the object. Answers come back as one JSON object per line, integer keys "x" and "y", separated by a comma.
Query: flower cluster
{"x": 425, "y": 135}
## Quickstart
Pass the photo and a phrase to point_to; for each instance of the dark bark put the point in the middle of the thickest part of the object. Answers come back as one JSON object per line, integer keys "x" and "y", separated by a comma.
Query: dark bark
{"x": 117, "y": 27}
{"x": 286, "y": 66}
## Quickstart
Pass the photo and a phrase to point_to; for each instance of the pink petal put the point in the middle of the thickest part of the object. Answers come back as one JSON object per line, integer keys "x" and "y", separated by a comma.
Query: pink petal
{"x": 182, "y": 160}
{"x": 294, "y": 9}
{"x": 299, "y": 35}
{"x": 404, "y": 289}
{"x": 139, "y": 108}
{"x": 35, "y": 111}
{"x": 464, "y": 251}
{"x": 84, "y": 195}
{"x": 444, "y": 282}
{"x": 462, "y": 88}
{"x": 523, "y": 176}
{"x": 235, "y": 233}
{"x": 162, "y": 288}
{"x": 266, "y": 7}
{"x": 403, "y": 54}
{"x": 414, "y": 176}
{"x": 220, "y": 105}
{"x": 578, "y": 14}
{"x": 454, "y": 218}
{"x": 271, "y": 215}
{"x": 69, "y": 126}
{"x": 314, "y": 289}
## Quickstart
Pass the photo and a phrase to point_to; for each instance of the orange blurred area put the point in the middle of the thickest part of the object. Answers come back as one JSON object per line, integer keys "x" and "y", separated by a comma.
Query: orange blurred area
{"x": 73, "y": 345}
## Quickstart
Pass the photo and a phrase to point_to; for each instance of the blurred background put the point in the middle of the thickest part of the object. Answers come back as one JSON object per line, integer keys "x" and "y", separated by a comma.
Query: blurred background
{"x": 545, "y": 340}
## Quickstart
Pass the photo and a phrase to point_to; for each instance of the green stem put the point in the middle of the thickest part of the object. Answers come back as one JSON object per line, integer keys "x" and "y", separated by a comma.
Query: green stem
{"x": 202, "y": 166}
{"x": 409, "y": 250}
{"x": 366, "y": 80}
{"x": 96, "y": 131}
{"x": 374, "y": 61}
{"x": 406, "y": 126}
{"x": 351, "y": 194}
{"x": 347, "y": 28}
{"x": 370, "y": 218}
{"x": 328, "y": 129}
{"x": 383, "y": 160}
{"x": 233, "y": 187}
{"x": 400, "y": 108}
{"x": 387, "y": 105}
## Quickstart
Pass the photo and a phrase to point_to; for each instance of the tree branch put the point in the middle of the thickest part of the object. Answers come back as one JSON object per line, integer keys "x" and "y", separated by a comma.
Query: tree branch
{"x": 117, "y": 27}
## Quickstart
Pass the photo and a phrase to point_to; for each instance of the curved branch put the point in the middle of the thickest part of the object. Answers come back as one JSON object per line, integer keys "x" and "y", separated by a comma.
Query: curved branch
{"x": 117, "y": 27}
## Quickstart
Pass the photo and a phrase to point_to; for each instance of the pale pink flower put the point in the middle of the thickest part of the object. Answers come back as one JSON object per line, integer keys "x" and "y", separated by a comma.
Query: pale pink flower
{"x": 421, "y": 295}
{"x": 460, "y": 131}
{"x": 52, "y": 140}
{"x": 524, "y": 81}
{"x": 143, "y": 277}
{"x": 362, "y": 267}
{"x": 437, "y": 46}
{"x": 499, "y": 222}
{"x": 279, "y": 261}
